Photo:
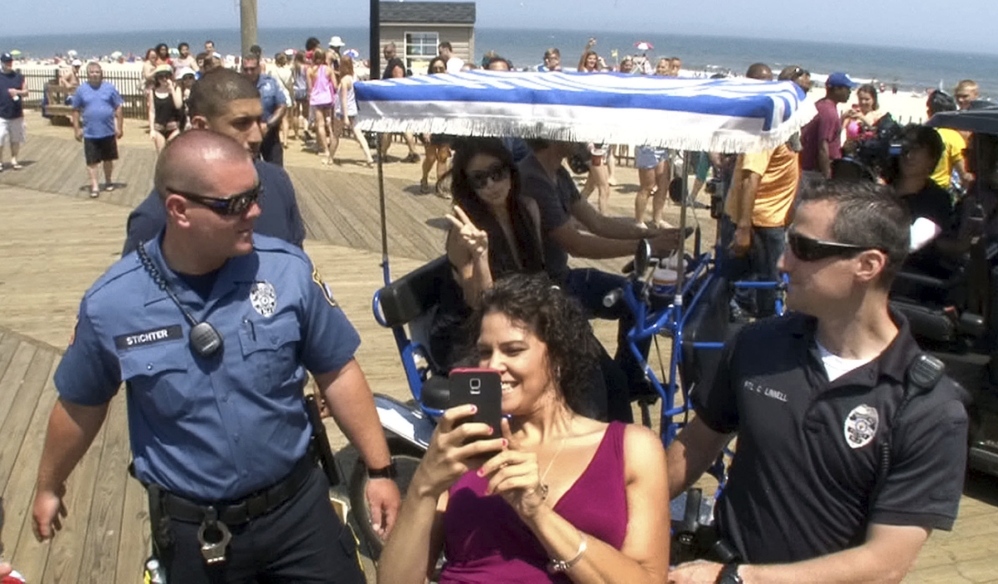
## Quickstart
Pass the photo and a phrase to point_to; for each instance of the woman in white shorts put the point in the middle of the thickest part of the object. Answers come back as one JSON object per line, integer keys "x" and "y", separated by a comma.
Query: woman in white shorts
{"x": 345, "y": 111}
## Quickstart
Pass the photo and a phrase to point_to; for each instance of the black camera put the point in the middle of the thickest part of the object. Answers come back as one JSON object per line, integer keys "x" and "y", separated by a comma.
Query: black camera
{"x": 581, "y": 159}
{"x": 876, "y": 157}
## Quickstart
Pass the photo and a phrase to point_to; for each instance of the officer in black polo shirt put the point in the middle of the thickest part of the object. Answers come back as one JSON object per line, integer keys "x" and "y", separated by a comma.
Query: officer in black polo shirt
{"x": 814, "y": 399}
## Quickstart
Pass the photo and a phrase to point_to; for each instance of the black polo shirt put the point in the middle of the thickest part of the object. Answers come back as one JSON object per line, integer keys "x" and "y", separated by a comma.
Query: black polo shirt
{"x": 554, "y": 201}
{"x": 807, "y": 457}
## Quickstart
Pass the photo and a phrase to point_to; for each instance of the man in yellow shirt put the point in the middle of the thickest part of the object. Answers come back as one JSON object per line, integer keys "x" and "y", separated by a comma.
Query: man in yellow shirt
{"x": 759, "y": 207}
{"x": 953, "y": 144}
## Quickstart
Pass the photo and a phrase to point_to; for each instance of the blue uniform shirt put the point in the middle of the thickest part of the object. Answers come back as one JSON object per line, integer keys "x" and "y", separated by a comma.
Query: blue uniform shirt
{"x": 279, "y": 215}
{"x": 271, "y": 96}
{"x": 220, "y": 428}
{"x": 98, "y": 107}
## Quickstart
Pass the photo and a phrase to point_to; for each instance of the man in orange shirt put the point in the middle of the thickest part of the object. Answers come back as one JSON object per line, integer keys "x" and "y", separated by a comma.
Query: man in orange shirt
{"x": 756, "y": 214}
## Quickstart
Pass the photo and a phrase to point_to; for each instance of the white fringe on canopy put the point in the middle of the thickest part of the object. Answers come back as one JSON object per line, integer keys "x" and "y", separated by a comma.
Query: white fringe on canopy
{"x": 683, "y": 114}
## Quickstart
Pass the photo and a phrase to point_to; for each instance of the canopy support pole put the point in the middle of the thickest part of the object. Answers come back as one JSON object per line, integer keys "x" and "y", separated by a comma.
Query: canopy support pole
{"x": 681, "y": 250}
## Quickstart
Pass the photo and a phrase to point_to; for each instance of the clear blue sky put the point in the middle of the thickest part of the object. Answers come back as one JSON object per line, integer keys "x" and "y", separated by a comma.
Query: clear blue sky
{"x": 931, "y": 24}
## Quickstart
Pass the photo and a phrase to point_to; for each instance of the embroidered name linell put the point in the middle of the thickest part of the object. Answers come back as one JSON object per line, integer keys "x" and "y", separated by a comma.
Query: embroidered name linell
{"x": 765, "y": 391}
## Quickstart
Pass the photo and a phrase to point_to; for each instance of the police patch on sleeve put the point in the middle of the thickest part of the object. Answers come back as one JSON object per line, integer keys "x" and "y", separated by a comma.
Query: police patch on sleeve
{"x": 861, "y": 426}
{"x": 263, "y": 297}
{"x": 326, "y": 292}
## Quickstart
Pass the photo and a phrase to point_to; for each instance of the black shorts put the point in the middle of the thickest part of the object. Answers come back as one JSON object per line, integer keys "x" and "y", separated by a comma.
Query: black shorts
{"x": 97, "y": 150}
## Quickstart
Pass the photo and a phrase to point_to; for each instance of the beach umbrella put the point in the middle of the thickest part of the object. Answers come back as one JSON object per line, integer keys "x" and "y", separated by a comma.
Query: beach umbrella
{"x": 15, "y": 53}
{"x": 643, "y": 46}
{"x": 352, "y": 53}
{"x": 722, "y": 115}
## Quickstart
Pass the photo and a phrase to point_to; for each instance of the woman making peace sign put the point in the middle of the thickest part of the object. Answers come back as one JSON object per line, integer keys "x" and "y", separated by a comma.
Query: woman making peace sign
{"x": 559, "y": 497}
{"x": 494, "y": 232}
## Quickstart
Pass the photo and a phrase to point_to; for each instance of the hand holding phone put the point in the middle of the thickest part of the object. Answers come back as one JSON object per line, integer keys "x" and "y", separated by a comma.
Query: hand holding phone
{"x": 481, "y": 388}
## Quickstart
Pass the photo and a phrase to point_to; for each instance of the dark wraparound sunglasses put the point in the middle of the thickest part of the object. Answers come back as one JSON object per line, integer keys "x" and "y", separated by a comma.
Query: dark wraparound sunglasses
{"x": 496, "y": 172}
{"x": 235, "y": 205}
{"x": 811, "y": 250}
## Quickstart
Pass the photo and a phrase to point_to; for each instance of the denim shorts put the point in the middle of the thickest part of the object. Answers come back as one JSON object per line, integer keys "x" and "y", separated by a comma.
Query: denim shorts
{"x": 647, "y": 157}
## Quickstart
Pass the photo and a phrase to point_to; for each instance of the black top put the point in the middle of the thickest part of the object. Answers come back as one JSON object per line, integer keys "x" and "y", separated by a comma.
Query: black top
{"x": 279, "y": 215}
{"x": 932, "y": 202}
{"x": 554, "y": 200}
{"x": 11, "y": 109}
{"x": 935, "y": 204}
{"x": 807, "y": 454}
{"x": 165, "y": 111}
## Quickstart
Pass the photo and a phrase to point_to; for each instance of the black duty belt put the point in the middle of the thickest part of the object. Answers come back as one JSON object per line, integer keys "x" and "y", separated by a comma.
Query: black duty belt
{"x": 244, "y": 510}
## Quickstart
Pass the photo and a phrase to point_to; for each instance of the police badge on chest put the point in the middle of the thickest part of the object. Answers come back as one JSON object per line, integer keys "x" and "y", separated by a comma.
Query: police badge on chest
{"x": 861, "y": 426}
{"x": 263, "y": 297}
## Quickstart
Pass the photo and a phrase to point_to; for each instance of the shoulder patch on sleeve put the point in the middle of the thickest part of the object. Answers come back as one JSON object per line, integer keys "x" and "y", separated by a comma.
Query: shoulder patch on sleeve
{"x": 317, "y": 278}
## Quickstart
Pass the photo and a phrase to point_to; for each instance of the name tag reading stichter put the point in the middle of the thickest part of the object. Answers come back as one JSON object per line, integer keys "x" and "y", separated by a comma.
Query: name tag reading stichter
{"x": 149, "y": 337}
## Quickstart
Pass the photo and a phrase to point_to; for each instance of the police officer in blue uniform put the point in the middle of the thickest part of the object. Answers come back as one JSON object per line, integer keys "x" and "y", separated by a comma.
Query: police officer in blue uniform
{"x": 274, "y": 108}
{"x": 212, "y": 328}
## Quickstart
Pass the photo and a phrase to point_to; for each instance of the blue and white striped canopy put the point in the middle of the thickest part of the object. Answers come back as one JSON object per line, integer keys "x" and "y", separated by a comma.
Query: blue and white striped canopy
{"x": 720, "y": 115}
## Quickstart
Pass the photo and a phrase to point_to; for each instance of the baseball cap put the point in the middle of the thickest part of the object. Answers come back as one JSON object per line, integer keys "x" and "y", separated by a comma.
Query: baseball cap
{"x": 164, "y": 68}
{"x": 7, "y": 58}
{"x": 76, "y": 63}
{"x": 840, "y": 80}
{"x": 336, "y": 42}
{"x": 183, "y": 71}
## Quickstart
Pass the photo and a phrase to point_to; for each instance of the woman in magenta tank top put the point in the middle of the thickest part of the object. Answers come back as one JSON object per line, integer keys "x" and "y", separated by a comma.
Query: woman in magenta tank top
{"x": 551, "y": 496}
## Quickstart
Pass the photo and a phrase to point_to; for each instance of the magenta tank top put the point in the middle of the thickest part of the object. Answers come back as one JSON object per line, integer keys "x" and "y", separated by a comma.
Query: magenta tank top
{"x": 486, "y": 542}
{"x": 323, "y": 91}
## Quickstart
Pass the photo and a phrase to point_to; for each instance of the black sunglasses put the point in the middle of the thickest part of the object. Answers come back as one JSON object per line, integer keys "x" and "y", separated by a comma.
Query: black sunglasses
{"x": 812, "y": 250}
{"x": 496, "y": 172}
{"x": 235, "y": 205}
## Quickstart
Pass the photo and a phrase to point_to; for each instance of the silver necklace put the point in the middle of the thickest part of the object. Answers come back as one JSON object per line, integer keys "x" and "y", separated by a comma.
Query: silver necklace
{"x": 544, "y": 485}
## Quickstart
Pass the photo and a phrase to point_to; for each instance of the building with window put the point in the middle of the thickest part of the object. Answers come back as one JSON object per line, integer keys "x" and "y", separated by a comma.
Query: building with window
{"x": 418, "y": 28}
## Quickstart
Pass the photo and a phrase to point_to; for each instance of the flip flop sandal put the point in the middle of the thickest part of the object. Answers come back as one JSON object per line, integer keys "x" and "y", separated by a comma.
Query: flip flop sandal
{"x": 94, "y": 193}
{"x": 109, "y": 187}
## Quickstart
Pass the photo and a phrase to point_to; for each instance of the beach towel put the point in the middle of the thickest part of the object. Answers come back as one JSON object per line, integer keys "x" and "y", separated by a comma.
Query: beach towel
{"x": 715, "y": 115}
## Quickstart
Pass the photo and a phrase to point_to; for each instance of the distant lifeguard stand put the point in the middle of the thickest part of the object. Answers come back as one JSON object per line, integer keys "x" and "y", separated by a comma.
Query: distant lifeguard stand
{"x": 418, "y": 28}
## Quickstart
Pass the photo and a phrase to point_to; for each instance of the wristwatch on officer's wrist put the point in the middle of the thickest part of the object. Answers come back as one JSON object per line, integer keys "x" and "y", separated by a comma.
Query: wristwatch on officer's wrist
{"x": 729, "y": 574}
{"x": 386, "y": 472}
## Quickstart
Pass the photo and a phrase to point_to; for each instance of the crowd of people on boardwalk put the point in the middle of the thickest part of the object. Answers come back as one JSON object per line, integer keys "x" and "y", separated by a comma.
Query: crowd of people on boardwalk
{"x": 214, "y": 315}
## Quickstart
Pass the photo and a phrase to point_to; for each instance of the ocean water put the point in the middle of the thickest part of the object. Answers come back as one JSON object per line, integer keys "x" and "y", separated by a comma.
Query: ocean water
{"x": 911, "y": 68}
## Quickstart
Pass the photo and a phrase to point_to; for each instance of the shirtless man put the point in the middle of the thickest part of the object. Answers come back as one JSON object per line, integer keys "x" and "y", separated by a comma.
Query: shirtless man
{"x": 965, "y": 93}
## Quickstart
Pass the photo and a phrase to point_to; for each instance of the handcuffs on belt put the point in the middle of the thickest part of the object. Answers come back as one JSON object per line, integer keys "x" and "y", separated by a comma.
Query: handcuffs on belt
{"x": 214, "y": 537}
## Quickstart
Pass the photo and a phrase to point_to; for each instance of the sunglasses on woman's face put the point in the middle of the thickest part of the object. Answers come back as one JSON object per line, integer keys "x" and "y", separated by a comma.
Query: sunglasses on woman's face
{"x": 807, "y": 249}
{"x": 480, "y": 178}
{"x": 235, "y": 205}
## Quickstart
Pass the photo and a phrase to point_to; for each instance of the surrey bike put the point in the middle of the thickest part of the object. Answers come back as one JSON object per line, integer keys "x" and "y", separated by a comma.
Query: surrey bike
{"x": 683, "y": 114}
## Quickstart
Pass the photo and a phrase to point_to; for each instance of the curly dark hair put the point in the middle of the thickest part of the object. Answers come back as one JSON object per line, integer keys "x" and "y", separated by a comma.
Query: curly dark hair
{"x": 558, "y": 321}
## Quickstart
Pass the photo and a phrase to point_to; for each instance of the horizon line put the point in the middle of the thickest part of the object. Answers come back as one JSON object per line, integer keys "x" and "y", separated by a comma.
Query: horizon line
{"x": 739, "y": 36}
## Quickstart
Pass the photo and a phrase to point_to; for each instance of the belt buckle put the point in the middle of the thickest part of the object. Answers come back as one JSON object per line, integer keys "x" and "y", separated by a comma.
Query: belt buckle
{"x": 214, "y": 537}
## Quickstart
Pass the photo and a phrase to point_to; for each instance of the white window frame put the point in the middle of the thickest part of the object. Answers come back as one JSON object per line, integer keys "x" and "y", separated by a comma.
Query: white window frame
{"x": 422, "y": 57}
